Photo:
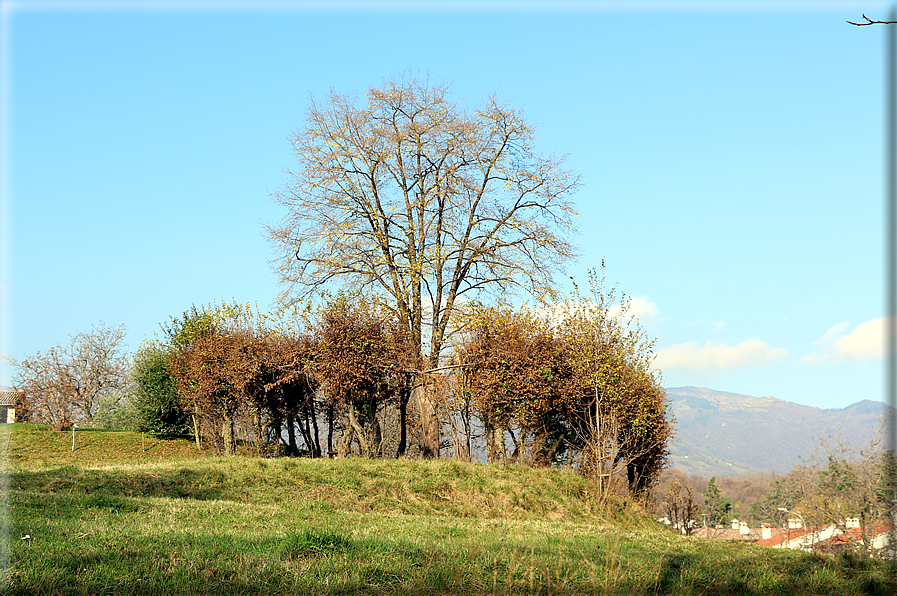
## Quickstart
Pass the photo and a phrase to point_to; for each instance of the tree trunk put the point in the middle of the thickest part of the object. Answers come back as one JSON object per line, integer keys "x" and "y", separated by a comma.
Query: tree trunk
{"x": 291, "y": 433}
{"x": 596, "y": 443}
{"x": 376, "y": 435}
{"x": 429, "y": 422}
{"x": 316, "y": 437}
{"x": 543, "y": 451}
{"x": 196, "y": 432}
{"x": 635, "y": 475}
{"x": 495, "y": 443}
{"x": 305, "y": 430}
{"x": 467, "y": 429}
{"x": 277, "y": 430}
{"x": 259, "y": 431}
{"x": 329, "y": 430}
{"x": 345, "y": 443}
{"x": 403, "y": 419}
{"x": 359, "y": 432}
{"x": 517, "y": 444}
{"x": 227, "y": 434}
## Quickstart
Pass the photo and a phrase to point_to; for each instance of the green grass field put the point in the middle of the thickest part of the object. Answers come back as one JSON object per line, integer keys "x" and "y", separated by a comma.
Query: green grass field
{"x": 111, "y": 519}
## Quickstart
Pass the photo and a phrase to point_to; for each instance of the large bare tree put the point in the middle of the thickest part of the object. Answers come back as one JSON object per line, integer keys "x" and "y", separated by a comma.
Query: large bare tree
{"x": 64, "y": 384}
{"x": 418, "y": 200}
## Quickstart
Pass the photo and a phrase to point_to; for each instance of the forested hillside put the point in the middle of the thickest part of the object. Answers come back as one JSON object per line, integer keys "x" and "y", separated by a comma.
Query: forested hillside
{"x": 727, "y": 434}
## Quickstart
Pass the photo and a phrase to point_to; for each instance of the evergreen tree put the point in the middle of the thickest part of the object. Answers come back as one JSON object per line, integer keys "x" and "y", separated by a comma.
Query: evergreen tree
{"x": 719, "y": 508}
{"x": 159, "y": 407}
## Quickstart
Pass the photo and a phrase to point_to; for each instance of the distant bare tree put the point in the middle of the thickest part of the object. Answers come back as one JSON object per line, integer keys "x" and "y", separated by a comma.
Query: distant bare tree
{"x": 681, "y": 509}
{"x": 854, "y": 482}
{"x": 64, "y": 384}
{"x": 843, "y": 482}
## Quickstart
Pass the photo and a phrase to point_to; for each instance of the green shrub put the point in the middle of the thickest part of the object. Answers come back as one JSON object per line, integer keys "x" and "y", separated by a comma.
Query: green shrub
{"x": 160, "y": 411}
{"x": 117, "y": 413}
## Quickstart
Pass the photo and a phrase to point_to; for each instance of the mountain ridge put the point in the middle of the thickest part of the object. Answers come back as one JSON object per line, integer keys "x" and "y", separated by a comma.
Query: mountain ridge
{"x": 731, "y": 434}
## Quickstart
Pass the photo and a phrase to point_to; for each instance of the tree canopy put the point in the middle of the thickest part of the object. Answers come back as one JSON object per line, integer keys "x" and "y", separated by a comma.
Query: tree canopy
{"x": 64, "y": 385}
{"x": 417, "y": 200}
{"x": 575, "y": 378}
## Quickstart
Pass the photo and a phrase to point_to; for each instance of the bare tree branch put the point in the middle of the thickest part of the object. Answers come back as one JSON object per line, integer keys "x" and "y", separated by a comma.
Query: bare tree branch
{"x": 64, "y": 384}
{"x": 871, "y": 22}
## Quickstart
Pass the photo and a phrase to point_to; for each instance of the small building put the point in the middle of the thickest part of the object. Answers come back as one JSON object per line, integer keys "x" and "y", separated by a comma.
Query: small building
{"x": 880, "y": 535}
{"x": 9, "y": 399}
{"x": 831, "y": 538}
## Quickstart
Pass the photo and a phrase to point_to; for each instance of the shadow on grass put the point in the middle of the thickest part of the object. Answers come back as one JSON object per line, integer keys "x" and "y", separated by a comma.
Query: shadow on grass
{"x": 308, "y": 562}
{"x": 179, "y": 483}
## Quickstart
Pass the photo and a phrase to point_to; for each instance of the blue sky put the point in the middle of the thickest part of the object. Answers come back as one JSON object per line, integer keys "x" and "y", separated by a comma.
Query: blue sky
{"x": 731, "y": 154}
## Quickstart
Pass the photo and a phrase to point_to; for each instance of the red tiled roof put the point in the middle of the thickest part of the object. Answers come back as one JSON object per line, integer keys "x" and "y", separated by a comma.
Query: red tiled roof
{"x": 880, "y": 527}
{"x": 787, "y": 535}
{"x": 856, "y": 534}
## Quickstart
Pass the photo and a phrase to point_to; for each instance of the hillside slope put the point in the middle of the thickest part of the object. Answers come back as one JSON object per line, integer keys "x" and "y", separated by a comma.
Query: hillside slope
{"x": 721, "y": 433}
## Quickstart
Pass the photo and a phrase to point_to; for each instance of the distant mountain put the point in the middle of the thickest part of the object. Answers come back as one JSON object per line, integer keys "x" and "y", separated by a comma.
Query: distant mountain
{"x": 727, "y": 434}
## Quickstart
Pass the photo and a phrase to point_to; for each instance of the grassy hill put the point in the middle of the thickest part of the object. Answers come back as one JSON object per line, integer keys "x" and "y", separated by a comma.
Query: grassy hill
{"x": 126, "y": 522}
{"x": 35, "y": 446}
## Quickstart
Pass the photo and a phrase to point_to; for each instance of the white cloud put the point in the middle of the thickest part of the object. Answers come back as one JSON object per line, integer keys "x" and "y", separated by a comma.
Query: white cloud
{"x": 832, "y": 333}
{"x": 749, "y": 353}
{"x": 719, "y": 326}
{"x": 864, "y": 342}
{"x": 639, "y": 307}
